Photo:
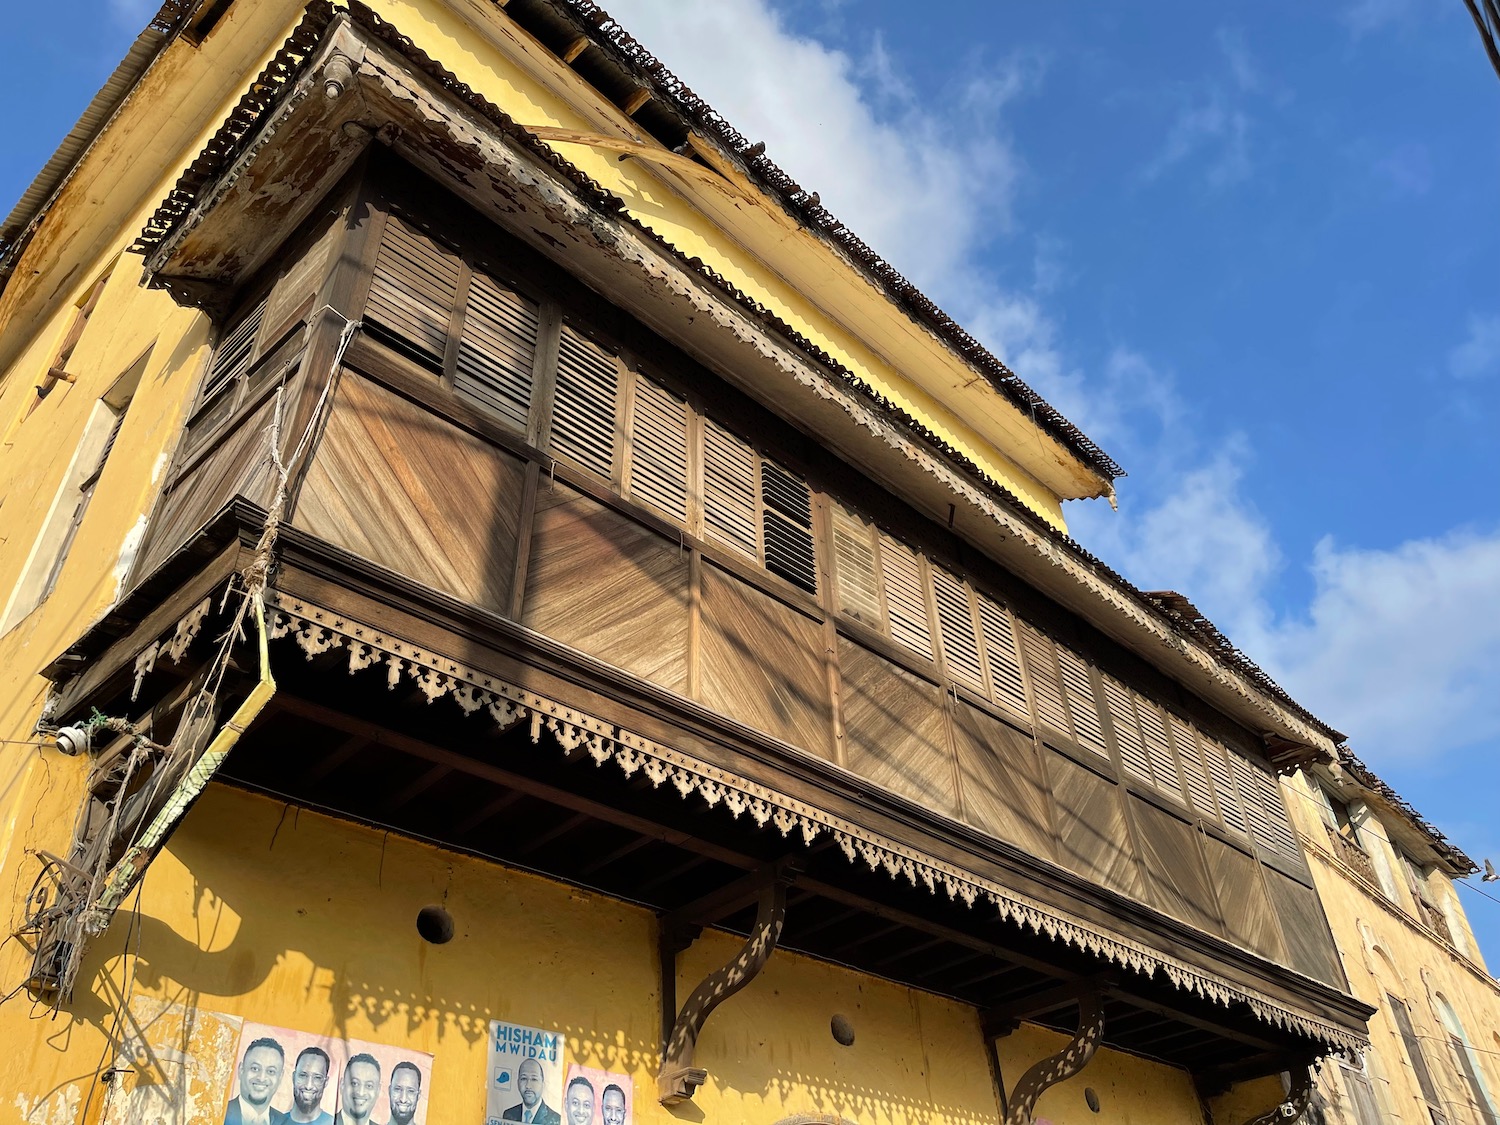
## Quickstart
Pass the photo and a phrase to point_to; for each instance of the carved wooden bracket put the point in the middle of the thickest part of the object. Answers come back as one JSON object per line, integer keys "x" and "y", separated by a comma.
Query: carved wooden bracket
{"x": 1294, "y": 1105}
{"x": 679, "y": 1079}
{"x": 1066, "y": 1063}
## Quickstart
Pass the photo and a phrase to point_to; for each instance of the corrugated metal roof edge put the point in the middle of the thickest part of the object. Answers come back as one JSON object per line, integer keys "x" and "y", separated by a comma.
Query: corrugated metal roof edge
{"x": 37, "y": 199}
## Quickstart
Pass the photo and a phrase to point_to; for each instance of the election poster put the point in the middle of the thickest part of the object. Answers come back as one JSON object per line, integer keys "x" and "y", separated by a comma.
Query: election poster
{"x": 597, "y": 1097}
{"x": 525, "y": 1075}
{"x": 286, "y": 1077}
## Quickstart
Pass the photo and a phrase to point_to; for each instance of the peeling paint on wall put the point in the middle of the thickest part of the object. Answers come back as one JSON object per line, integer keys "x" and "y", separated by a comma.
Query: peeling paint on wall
{"x": 59, "y": 1108}
{"x": 174, "y": 1067}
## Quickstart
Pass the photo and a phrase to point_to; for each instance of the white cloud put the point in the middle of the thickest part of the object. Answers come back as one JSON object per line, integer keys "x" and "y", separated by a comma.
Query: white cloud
{"x": 1365, "y": 16}
{"x": 1391, "y": 644}
{"x": 923, "y": 188}
{"x": 1478, "y": 356}
{"x": 133, "y": 14}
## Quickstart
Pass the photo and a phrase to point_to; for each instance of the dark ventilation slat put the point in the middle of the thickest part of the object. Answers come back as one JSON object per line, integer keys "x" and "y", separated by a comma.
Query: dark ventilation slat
{"x": 1158, "y": 749}
{"x": 659, "y": 449}
{"x": 1200, "y": 793}
{"x": 787, "y": 527}
{"x": 1083, "y": 707}
{"x": 1007, "y": 685}
{"x": 956, "y": 630}
{"x": 583, "y": 415}
{"x": 1041, "y": 669}
{"x": 496, "y": 350}
{"x": 1127, "y": 730}
{"x": 414, "y": 289}
{"x": 858, "y": 585}
{"x": 905, "y": 596}
{"x": 729, "y": 506}
{"x": 235, "y": 351}
{"x": 1221, "y": 774}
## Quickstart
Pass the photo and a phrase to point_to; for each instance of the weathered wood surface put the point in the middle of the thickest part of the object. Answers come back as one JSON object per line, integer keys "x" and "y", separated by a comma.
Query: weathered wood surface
{"x": 1248, "y": 918}
{"x": 1001, "y": 777}
{"x": 1309, "y": 944}
{"x": 895, "y": 730}
{"x": 762, "y": 663}
{"x": 608, "y": 586}
{"x": 1093, "y": 838}
{"x": 1177, "y": 878}
{"x": 399, "y": 486}
{"x": 237, "y": 466}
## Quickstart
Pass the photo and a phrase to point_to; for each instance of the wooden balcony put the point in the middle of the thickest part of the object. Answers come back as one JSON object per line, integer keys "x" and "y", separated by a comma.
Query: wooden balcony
{"x": 1353, "y": 856}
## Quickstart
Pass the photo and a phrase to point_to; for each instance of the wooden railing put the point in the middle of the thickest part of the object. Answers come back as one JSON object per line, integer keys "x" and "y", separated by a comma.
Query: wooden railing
{"x": 1352, "y": 855}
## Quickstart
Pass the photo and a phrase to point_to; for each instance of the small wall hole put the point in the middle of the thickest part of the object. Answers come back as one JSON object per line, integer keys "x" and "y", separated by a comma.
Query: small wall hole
{"x": 1091, "y": 1097}
{"x": 843, "y": 1031}
{"x": 435, "y": 925}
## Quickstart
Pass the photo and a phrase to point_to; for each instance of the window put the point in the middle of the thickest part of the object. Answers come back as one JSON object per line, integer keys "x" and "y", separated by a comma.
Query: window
{"x": 1467, "y": 1061}
{"x": 1361, "y": 1096}
{"x": 70, "y": 504}
{"x": 1418, "y": 1060}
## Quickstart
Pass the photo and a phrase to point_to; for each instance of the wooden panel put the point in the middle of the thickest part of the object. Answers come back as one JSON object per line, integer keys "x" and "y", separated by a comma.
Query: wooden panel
{"x": 762, "y": 663}
{"x": 1177, "y": 879}
{"x": 956, "y": 631}
{"x": 414, "y": 288}
{"x": 1001, "y": 779}
{"x": 238, "y": 466}
{"x": 496, "y": 350}
{"x": 894, "y": 728}
{"x": 1092, "y": 835}
{"x": 405, "y": 489}
{"x": 1309, "y": 945}
{"x": 905, "y": 596}
{"x": 729, "y": 491}
{"x": 1248, "y": 918}
{"x": 608, "y": 586}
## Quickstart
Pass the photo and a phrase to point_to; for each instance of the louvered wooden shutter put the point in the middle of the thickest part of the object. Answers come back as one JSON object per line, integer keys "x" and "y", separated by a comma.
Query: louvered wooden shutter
{"x": 298, "y": 285}
{"x": 1083, "y": 707}
{"x": 729, "y": 490}
{"x": 856, "y": 584}
{"x": 1413, "y": 1049}
{"x": 1158, "y": 749}
{"x": 1282, "y": 838}
{"x": 658, "y": 449}
{"x": 234, "y": 354}
{"x": 1194, "y": 776}
{"x": 496, "y": 350}
{"x": 1466, "y": 1066}
{"x": 905, "y": 596}
{"x": 1127, "y": 730}
{"x": 1221, "y": 776}
{"x": 956, "y": 631}
{"x": 1001, "y": 658}
{"x": 413, "y": 291}
{"x": 583, "y": 413}
{"x": 1046, "y": 686}
{"x": 1362, "y": 1097}
{"x": 786, "y": 525}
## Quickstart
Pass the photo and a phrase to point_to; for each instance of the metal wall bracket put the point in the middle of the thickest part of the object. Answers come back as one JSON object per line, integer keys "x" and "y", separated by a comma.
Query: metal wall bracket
{"x": 1063, "y": 1065}
{"x": 1294, "y": 1105}
{"x": 679, "y": 1079}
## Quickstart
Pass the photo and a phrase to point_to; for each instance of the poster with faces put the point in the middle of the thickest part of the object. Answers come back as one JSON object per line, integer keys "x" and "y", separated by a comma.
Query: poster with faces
{"x": 597, "y": 1097}
{"x": 525, "y": 1075}
{"x": 287, "y": 1077}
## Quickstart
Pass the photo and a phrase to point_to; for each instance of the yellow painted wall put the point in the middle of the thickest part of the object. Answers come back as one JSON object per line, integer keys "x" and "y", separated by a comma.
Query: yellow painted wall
{"x": 302, "y": 921}
{"x": 1385, "y": 951}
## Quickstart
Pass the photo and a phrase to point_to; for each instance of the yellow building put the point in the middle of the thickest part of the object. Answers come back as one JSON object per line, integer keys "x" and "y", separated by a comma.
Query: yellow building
{"x": 1386, "y": 880}
{"x": 512, "y": 610}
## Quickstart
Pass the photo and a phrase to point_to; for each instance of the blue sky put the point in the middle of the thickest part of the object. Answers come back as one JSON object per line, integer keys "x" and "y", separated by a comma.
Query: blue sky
{"x": 1249, "y": 247}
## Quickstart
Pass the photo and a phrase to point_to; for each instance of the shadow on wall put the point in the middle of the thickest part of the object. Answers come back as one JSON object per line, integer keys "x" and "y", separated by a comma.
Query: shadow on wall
{"x": 288, "y": 917}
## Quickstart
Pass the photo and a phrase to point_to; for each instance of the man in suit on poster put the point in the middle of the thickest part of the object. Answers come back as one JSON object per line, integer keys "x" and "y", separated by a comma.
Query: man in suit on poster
{"x": 260, "y": 1078}
{"x": 530, "y": 1082}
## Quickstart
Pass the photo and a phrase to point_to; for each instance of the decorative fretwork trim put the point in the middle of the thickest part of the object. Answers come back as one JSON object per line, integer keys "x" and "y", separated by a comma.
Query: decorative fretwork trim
{"x": 317, "y": 630}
